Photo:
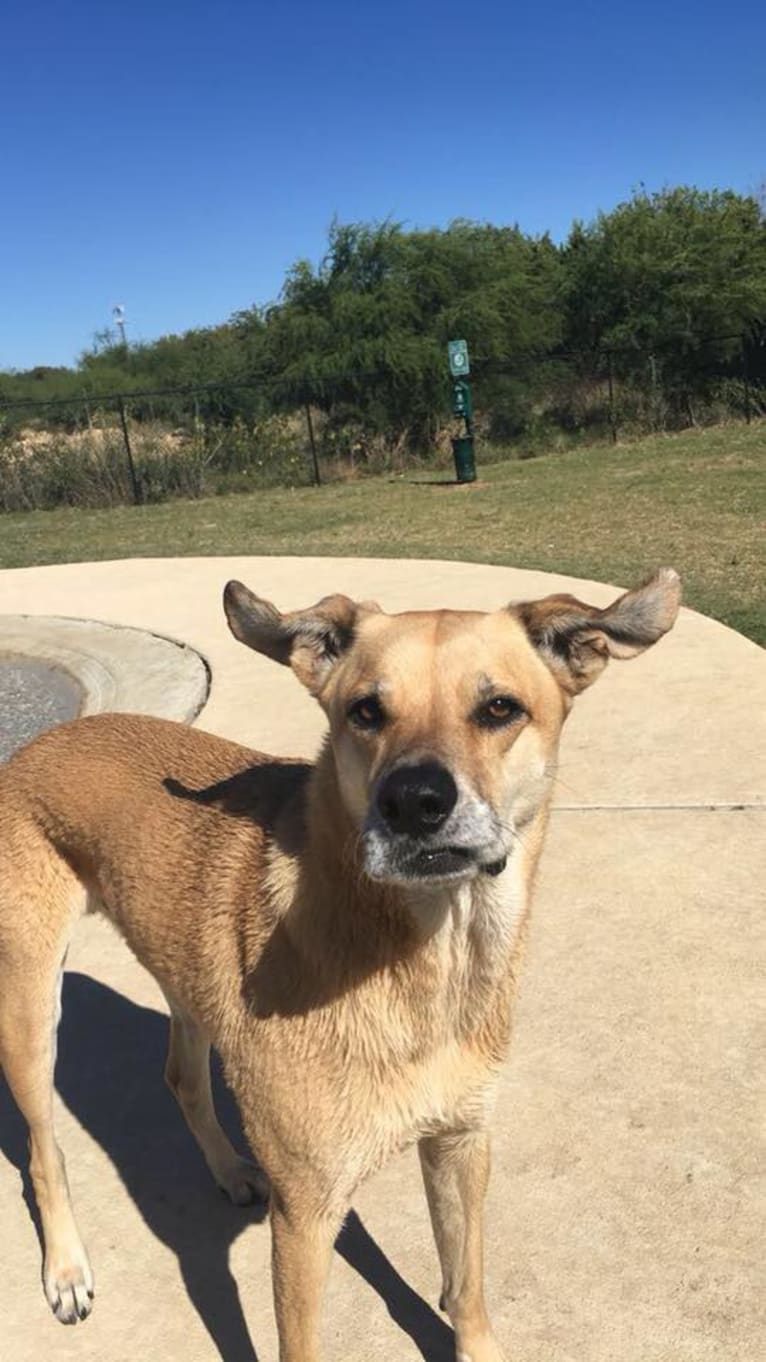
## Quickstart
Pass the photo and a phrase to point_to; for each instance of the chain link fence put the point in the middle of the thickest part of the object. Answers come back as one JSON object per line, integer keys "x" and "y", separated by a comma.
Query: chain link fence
{"x": 148, "y": 445}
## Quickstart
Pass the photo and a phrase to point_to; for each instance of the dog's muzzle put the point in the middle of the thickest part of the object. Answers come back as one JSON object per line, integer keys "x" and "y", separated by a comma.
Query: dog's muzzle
{"x": 415, "y": 830}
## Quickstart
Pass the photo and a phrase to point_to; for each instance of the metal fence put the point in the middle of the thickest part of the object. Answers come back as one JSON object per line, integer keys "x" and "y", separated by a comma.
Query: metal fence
{"x": 145, "y": 444}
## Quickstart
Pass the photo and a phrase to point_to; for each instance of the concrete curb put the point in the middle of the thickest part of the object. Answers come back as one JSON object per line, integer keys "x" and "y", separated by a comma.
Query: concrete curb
{"x": 119, "y": 668}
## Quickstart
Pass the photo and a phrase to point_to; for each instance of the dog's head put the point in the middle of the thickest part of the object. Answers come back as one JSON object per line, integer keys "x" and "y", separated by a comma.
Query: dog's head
{"x": 445, "y": 724}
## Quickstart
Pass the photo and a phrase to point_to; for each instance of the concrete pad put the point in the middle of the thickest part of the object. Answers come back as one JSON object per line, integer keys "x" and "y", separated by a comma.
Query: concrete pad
{"x": 626, "y": 1213}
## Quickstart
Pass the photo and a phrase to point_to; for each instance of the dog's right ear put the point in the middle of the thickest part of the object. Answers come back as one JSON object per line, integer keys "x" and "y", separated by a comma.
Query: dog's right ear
{"x": 310, "y": 641}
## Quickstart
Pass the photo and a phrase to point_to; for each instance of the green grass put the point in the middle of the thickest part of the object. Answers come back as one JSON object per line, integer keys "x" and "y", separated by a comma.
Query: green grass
{"x": 695, "y": 501}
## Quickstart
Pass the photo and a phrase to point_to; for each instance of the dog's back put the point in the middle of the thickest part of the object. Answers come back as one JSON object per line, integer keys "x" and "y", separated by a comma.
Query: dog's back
{"x": 163, "y": 826}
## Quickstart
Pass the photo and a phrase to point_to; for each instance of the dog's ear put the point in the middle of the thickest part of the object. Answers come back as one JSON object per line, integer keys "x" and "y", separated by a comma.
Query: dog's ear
{"x": 576, "y": 640}
{"x": 310, "y": 641}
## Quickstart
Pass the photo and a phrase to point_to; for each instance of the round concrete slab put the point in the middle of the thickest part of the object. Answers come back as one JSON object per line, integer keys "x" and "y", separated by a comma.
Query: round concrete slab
{"x": 624, "y": 1217}
{"x": 122, "y": 669}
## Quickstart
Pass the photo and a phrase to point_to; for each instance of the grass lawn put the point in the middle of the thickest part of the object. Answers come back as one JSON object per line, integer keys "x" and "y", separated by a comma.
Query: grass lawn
{"x": 696, "y": 501}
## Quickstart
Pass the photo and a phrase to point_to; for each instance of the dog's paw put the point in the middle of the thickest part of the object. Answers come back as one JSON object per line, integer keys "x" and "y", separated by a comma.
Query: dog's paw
{"x": 244, "y": 1183}
{"x": 68, "y": 1285}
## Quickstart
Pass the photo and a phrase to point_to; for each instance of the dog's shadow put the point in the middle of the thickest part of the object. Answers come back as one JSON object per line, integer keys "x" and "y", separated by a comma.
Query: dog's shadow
{"x": 109, "y": 1074}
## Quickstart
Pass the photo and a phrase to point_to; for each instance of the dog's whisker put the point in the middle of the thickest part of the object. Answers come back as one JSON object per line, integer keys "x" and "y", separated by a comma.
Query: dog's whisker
{"x": 513, "y": 832}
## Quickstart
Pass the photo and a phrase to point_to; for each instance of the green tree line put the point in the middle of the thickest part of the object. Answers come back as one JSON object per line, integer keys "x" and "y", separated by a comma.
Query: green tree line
{"x": 665, "y": 296}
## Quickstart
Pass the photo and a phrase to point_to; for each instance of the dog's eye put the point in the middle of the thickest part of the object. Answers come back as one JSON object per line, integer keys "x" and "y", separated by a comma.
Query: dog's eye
{"x": 367, "y": 713}
{"x": 499, "y": 712}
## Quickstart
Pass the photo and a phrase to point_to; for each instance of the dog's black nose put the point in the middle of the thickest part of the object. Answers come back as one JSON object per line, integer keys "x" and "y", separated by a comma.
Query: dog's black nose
{"x": 416, "y": 800}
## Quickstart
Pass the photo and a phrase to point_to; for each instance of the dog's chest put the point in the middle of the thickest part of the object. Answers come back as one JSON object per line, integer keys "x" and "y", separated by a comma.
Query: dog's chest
{"x": 412, "y": 1050}
{"x": 443, "y": 1042}
{"x": 448, "y": 1085}
{"x": 473, "y": 958}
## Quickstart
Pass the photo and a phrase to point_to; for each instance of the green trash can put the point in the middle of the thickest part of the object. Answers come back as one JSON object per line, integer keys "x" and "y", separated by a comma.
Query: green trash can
{"x": 465, "y": 464}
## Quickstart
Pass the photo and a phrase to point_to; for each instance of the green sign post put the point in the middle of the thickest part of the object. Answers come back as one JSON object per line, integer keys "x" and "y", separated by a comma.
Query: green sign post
{"x": 462, "y": 405}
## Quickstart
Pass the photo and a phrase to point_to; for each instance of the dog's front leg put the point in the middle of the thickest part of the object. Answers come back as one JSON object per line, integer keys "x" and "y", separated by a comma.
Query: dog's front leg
{"x": 456, "y": 1172}
{"x": 301, "y": 1248}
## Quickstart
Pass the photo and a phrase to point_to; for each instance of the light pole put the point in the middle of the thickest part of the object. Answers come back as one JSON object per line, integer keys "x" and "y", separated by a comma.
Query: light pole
{"x": 118, "y": 312}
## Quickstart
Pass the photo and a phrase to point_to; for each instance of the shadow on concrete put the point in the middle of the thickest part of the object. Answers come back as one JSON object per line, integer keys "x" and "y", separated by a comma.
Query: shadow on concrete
{"x": 429, "y": 1333}
{"x": 109, "y": 1073}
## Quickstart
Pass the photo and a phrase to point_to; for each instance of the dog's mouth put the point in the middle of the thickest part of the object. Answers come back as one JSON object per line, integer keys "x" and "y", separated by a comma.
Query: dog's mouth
{"x": 441, "y": 862}
{"x": 448, "y": 861}
{"x": 436, "y": 864}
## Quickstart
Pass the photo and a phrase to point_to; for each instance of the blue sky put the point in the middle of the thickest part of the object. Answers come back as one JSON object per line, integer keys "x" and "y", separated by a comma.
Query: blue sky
{"x": 176, "y": 157}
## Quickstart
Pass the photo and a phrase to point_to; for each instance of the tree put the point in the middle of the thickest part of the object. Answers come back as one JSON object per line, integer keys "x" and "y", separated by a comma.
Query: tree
{"x": 364, "y": 334}
{"x": 679, "y": 275}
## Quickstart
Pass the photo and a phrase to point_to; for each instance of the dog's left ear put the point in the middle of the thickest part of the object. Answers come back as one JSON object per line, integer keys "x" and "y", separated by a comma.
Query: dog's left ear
{"x": 576, "y": 640}
{"x": 310, "y": 641}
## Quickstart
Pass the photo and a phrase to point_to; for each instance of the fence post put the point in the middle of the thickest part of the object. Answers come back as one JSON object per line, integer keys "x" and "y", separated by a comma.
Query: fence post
{"x": 610, "y": 378}
{"x": 137, "y": 498}
{"x": 312, "y": 442}
{"x": 746, "y": 377}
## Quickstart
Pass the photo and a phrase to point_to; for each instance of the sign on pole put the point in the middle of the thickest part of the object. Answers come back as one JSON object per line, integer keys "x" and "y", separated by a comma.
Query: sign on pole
{"x": 458, "y": 358}
{"x": 462, "y": 405}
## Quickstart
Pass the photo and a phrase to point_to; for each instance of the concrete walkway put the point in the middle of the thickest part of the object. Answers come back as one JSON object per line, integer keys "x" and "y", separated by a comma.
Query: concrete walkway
{"x": 626, "y": 1216}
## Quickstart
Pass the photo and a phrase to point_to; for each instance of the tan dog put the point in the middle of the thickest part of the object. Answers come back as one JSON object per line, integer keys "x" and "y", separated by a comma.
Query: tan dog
{"x": 347, "y": 935}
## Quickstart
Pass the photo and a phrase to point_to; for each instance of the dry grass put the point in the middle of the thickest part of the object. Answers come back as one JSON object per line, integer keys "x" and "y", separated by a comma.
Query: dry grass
{"x": 91, "y": 442}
